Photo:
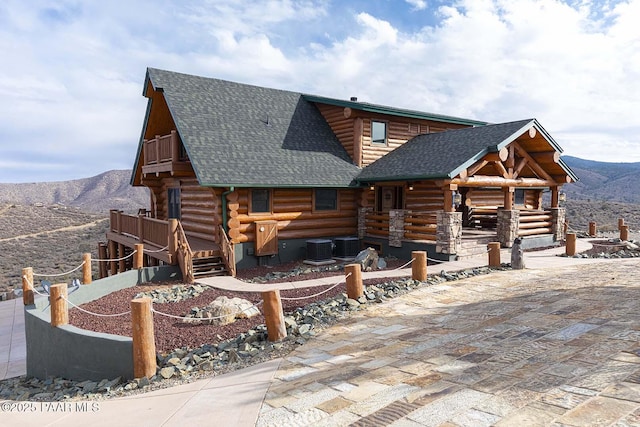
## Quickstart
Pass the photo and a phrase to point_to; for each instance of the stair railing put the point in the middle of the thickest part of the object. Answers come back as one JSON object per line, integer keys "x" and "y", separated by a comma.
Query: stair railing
{"x": 228, "y": 253}
{"x": 185, "y": 256}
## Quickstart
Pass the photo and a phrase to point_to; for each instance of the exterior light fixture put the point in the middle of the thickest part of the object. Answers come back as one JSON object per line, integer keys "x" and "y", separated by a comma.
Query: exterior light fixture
{"x": 562, "y": 197}
{"x": 411, "y": 186}
{"x": 457, "y": 198}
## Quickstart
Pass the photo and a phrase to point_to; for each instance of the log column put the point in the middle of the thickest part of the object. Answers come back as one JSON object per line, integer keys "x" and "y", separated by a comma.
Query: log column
{"x": 86, "y": 268}
{"x": 59, "y": 306}
{"x": 144, "y": 347}
{"x": 353, "y": 274}
{"x": 494, "y": 254}
{"x": 273, "y": 316}
{"x": 419, "y": 266}
{"x": 27, "y": 286}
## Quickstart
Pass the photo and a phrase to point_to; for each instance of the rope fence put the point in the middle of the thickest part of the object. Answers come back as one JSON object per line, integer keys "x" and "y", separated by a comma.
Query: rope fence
{"x": 95, "y": 314}
{"x": 116, "y": 259}
{"x": 319, "y": 293}
{"x": 60, "y": 274}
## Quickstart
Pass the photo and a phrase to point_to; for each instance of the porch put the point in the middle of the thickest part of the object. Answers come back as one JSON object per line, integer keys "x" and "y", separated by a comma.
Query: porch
{"x": 463, "y": 234}
{"x": 164, "y": 242}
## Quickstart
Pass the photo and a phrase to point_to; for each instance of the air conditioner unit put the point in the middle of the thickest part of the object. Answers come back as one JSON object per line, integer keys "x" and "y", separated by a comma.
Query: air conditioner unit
{"x": 346, "y": 247}
{"x": 319, "y": 250}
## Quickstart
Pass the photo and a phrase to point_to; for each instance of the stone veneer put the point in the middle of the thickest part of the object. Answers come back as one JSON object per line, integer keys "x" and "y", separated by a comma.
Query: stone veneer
{"x": 362, "y": 222}
{"x": 559, "y": 217}
{"x": 507, "y": 228}
{"x": 396, "y": 227}
{"x": 449, "y": 232}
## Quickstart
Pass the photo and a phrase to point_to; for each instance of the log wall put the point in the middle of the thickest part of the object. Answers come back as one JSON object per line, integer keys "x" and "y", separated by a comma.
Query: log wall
{"x": 293, "y": 210}
{"x": 345, "y": 125}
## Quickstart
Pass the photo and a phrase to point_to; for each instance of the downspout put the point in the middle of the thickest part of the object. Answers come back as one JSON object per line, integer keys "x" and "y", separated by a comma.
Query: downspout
{"x": 224, "y": 209}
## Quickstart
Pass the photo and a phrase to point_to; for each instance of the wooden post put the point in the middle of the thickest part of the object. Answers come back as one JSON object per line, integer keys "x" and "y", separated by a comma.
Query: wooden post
{"x": 173, "y": 240}
{"x": 508, "y": 198}
{"x": 122, "y": 266}
{"x": 624, "y": 233}
{"x": 86, "y": 268}
{"x": 494, "y": 254}
{"x": 102, "y": 255}
{"x": 620, "y": 223}
{"x": 27, "y": 286}
{"x": 353, "y": 273}
{"x": 593, "y": 230}
{"x": 273, "y": 315}
{"x": 419, "y": 266}
{"x": 144, "y": 346}
{"x": 113, "y": 254}
{"x": 138, "y": 258}
{"x": 571, "y": 244}
{"x": 59, "y": 306}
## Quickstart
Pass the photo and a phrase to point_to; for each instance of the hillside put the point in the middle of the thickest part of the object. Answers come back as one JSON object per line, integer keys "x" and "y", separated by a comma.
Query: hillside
{"x": 616, "y": 182}
{"x": 98, "y": 194}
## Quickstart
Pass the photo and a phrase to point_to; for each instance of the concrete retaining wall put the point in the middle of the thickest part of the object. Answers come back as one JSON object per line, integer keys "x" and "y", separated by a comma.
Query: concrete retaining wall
{"x": 77, "y": 354}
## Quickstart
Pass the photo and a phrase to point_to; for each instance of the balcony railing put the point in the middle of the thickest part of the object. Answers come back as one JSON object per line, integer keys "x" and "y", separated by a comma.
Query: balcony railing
{"x": 165, "y": 154}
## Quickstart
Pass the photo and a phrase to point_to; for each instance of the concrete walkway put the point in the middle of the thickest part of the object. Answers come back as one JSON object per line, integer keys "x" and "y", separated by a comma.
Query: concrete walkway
{"x": 510, "y": 348}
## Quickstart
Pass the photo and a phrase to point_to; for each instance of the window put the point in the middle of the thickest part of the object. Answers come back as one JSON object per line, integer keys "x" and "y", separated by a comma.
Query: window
{"x": 519, "y": 197}
{"x": 173, "y": 203}
{"x": 378, "y": 133}
{"x": 325, "y": 199}
{"x": 260, "y": 201}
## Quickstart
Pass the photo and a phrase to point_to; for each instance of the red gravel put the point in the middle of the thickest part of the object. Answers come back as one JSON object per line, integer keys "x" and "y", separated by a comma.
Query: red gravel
{"x": 172, "y": 333}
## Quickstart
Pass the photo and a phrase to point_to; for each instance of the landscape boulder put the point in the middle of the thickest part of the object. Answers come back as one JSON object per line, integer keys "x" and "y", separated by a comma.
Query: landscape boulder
{"x": 369, "y": 260}
{"x": 224, "y": 310}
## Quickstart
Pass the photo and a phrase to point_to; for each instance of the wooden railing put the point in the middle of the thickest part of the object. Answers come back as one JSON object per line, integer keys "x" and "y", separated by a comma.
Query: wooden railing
{"x": 228, "y": 253}
{"x": 377, "y": 224}
{"x": 146, "y": 230}
{"x": 420, "y": 226}
{"x": 482, "y": 217}
{"x": 185, "y": 256}
{"x": 162, "y": 149}
{"x": 533, "y": 222}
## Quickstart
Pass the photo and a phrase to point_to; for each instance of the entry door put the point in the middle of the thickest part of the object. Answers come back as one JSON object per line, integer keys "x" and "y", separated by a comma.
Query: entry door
{"x": 388, "y": 198}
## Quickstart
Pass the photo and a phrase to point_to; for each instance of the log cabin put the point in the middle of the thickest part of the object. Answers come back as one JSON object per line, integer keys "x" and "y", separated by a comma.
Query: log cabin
{"x": 242, "y": 175}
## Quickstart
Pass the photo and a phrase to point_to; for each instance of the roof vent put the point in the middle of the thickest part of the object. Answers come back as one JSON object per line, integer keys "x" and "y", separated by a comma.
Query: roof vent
{"x": 354, "y": 99}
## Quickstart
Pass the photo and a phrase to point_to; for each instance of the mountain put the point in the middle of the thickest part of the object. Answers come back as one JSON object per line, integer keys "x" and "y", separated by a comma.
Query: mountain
{"x": 615, "y": 182}
{"x": 98, "y": 194}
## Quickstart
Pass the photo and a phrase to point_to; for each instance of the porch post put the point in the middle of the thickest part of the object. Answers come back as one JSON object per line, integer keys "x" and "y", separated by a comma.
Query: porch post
{"x": 449, "y": 232}
{"x": 396, "y": 227}
{"x": 507, "y": 227}
{"x": 362, "y": 221}
{"x": 559, "y": 216}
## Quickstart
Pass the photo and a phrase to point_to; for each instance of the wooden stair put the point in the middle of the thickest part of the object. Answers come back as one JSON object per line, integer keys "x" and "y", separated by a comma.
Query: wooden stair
{"x": 208, "y": 266}
{"x": 474, "y": 242}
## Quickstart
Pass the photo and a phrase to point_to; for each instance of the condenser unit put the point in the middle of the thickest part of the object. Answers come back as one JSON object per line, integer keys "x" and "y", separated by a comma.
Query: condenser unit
{"x": 346, "y": 247}
{"x": 319, "y": 250}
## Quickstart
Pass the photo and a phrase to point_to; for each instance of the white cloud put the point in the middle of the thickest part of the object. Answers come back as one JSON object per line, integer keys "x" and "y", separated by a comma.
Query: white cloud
{"x": 417, "y": 4}
{"x": 72, "y": 76}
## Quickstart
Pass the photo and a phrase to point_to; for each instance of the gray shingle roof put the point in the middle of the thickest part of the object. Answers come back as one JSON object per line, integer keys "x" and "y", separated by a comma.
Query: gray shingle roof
{"x": 442, "y": 155}
{"x": 242, "y": 135}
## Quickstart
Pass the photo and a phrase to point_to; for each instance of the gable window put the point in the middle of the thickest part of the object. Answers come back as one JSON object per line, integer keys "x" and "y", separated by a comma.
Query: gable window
{"x": 260, "y": 201}
{"x": 173, "y": 203}
{"x": 325, "y": 199}
{"x": 378, "y": 133}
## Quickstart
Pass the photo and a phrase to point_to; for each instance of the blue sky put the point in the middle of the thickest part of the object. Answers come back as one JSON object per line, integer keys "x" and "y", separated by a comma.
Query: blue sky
{"x": 71, "y": 103}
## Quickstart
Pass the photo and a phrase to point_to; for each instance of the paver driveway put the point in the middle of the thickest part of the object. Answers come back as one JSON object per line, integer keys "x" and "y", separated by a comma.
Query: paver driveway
{"x": 536, "y": 347}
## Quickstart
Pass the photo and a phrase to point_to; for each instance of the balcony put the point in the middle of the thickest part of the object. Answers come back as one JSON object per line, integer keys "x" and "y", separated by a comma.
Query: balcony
{"x": 165, "y": 154}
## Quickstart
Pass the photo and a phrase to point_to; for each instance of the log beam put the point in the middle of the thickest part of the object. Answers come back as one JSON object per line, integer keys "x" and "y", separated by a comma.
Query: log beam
{"x": 493, "y": 181}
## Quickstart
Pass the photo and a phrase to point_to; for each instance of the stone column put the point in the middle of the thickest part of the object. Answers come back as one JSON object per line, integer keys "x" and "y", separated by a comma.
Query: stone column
{"x": 449, "y": 232}
{"x": 559, "y": 216}
{"x": 362, "y": 217}
{"x": 396, "y": 227}
{"x": 508, "y": 223}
